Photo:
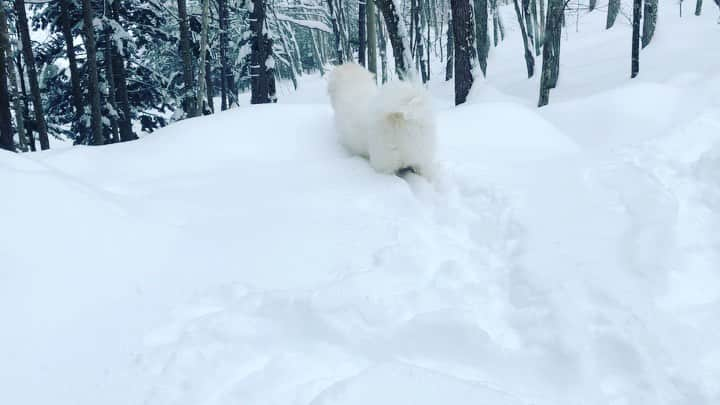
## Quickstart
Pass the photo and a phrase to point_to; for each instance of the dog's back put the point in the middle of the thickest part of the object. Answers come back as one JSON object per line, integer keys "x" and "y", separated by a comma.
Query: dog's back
{"x": 402, "y": 133}
{"x": 351, "y": 88}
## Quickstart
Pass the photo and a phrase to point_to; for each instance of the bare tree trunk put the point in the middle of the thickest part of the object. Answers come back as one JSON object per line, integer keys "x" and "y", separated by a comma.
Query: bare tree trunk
{"x": 612, "y": 13}
{"x": 202, "y": 85}
{"x": 186, "y": 57}
{"x": 649, "y": 21}
{"x": 262, "y": 62}
{"x": 122, "y": 98}
{"x": 362, "y": 43}
{"x": 481, "y": 33}
{"x": 22, "y": 25}
{"x": 698, "y": 7}
{"x": 551, "y": 50}
{"x": 398, "y": 39}
{"x": 98, "y": 138}
{"x": 464, "y": 33}
{"x": 339, "y": 54}
{"x": 635, "y": 58}
{"x": 75, "y": 81}
{"x": 12, "y": 78}
{"x": 371, "y": 18}
{"x": 541, "y": 17}
{"x": 538, "y": 40}
{"x": 529, "y": 59}
{"x": 6, "y": 131}
{"x": 224, "y": 64}
{"x": 23, "y": 89}
{"x": 111, "y": 104}
{"x": 450, "y": 62}
{"x": 383, "y": 52}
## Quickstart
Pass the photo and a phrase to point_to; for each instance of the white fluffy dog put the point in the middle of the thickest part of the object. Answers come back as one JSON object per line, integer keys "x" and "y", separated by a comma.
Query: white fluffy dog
{"x": 393, "y": 126}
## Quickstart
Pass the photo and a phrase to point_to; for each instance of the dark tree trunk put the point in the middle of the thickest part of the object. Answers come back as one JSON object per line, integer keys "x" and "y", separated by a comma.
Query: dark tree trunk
{"x": 371, "y": 36}
{"x": 551, "y": 50}
{"x": 529, "y": 59}
{"x": 23, "y": 88}
{"x": 186, "y": 56}
{"x": 383, "y": 51}
{"x": 482, "y": 40}
{"x": 12, "y": 79}
{"x": 224, "y": 66}
{"x": 261, "y": 70}
{"x": 635, "y": 59}
{"x": 463, "y": 32}
{"x": 22, "y": 24}
{"x": 210, "y": 88}
{"x": 6, "y": 131}
{"x": 418, "y": 39}
{"x": 336, "y": 32}
{"x": 698, "y": 7}
{"x": 612, "y": 13}
{"x": 496, "y": 22}
{"x": 536, "y": 28}
{"x": 649, "y": 21}
{"x": 75, "y": 80}
{"x": 450, "y": 62}
{"x": 398, "y": 39}
{"x": 98, "y": 138}
{"x": 121, "y": 91}
{"x": 110, "y": 80}
{"x": 362, "y": 43}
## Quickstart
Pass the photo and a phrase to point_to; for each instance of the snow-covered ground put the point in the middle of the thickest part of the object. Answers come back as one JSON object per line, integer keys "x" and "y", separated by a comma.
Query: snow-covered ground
{"x": 562, "y": 256}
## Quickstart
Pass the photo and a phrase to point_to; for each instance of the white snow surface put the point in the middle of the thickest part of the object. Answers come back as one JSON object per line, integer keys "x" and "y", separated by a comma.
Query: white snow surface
{"x": 560, "y": 256}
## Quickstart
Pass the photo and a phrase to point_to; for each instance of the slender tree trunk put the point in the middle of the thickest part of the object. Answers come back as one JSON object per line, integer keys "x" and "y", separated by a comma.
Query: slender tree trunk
{"x": 210, "y": 86}
{"x": 496, "y": 22}
{"x": 75, "y": 80}
{"x": 541, "y": 35}
{"x": 635, "y": 59}
{"x": 450, "y": 60}
{"x": 23, "y": 88}
{"x": 12, "y": 81}
{"x": 122, "y": 98}
{"x": 529, "y": 59}
{"x": 398, "y": 39}
{"x": 371, "y": 14}
{"x": 339, "y": 54}
{"x": 538, "y": 40}
{"x": 481, "y": 33}
{"x": 202, "y": 85}
{"x": 551, "y": 50}
{"x": 383, "y": 52}
{"x": 6, "y": 130}
{"x": 186, "y": 56}
{"x": 698, "y": 7}
{"x": 464, "y": 33}
{"x": 98, "y": 138}
{"x": 419, "y": 49}
{"x": 612, "y": 13}
{"x": 110, "y": 80}
{"x": 649, "y": 21}
{"x": 22, "y": 24}
{"x": 262, "y": 62}
{"x": 224, "y": 63}
{"x": 362, "y": 42}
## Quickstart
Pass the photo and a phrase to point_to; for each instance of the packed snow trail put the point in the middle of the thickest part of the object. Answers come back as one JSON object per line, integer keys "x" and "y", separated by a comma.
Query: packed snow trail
{"x": 558, "y": 256}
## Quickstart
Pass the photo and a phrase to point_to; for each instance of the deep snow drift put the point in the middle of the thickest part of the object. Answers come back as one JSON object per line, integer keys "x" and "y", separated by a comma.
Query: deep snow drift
{"x": 560, "y": 256}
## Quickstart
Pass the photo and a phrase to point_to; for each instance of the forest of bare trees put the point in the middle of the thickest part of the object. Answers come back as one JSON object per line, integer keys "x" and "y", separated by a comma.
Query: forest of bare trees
{"x": 106, "y": 69}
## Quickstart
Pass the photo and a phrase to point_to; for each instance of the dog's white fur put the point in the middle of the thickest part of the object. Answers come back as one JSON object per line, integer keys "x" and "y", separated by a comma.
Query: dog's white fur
{"x": 393, "y": 126}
